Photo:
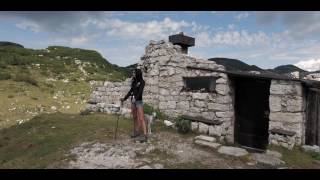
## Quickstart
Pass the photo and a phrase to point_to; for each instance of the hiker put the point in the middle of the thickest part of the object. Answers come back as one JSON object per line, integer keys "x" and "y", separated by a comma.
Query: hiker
{"x": 136, "y": 90}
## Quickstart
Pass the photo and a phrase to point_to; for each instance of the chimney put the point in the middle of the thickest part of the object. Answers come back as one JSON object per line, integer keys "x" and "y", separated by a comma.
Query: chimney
{"x": 183, "y": 41}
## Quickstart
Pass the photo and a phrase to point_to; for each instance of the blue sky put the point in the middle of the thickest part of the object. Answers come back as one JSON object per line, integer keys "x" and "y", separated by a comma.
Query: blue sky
{"x": 266, "y": 39}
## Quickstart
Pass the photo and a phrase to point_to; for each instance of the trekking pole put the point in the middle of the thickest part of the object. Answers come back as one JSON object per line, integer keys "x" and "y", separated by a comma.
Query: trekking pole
{"x": 118, "y": 109}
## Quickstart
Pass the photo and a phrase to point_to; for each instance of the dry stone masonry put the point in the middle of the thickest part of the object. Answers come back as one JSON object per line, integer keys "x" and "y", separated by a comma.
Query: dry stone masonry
{"x": 165, "y": 66}
{"x": 287, "y": 107}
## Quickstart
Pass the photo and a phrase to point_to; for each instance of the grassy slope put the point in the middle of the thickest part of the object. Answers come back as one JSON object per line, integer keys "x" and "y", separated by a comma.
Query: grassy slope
{"x": 69, "y": 90}
{"x": 47, "y": 139}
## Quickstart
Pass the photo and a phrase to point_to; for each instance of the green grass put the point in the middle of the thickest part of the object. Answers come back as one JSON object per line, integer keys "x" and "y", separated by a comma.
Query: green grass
{"x": 46, "y": 139}
{"x": 295, "y": 158}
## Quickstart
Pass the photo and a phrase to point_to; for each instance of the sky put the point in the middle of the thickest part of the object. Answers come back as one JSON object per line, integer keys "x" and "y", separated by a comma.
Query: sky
{"x": 266, "y": 39}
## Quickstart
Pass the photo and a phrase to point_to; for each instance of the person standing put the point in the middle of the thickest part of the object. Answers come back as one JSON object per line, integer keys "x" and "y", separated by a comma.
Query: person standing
{"x": 136, "y": 91}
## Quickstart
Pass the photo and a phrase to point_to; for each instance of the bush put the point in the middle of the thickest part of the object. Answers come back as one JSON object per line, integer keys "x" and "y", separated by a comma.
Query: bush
{"x": 26, "y": 78}
{"x": 316, "y": 156}
{"x": 10, "y": 96}
{"x": 149, "y": 110}
{"x": 4, "y": 76}
{"x": 183, "y": 125}
{"x": 85, "y": 112}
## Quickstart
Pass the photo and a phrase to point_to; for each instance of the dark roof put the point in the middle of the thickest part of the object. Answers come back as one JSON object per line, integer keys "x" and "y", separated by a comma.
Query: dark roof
{"x": 270, "y": 76}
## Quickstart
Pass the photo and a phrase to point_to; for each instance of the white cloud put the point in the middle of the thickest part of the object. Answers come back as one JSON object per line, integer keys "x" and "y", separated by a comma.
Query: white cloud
{"x": 241, "y": 16}
{"x": 309, "y": 65}
{"x": 79, "y": 40}
{"x": 28, "y": 25}
{"x": 231, "y": 26}
{"x": 232, "y": 37}
{"x": 299, "y": 24}
{"x": 141, "y": 30}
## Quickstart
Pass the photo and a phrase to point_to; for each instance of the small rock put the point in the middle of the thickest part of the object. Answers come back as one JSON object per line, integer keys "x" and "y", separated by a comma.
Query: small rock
{"x": 274, "y": 153}
{"x": 53, "y": 108}
{"x": 308, "y": 148}
{"x": 150, "y": 148}
{"x": 266, "y": 159}
{"x": 251, "y": 163}
{"x": 145, "y": 167}
{"x": 158, "y": 166}
{"x": 233, "y": 151}
{"x": 208, "y": 144}
{"x": 168, "y": 123}
{"x": 205, "y": 138}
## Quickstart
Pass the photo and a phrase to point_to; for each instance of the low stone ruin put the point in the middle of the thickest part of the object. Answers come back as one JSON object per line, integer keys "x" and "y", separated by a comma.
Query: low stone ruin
{"x": 165, "y": 69}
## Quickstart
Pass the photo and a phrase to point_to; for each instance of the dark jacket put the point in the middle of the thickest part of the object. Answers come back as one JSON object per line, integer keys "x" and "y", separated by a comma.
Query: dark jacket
{"x": 136, "y": 90}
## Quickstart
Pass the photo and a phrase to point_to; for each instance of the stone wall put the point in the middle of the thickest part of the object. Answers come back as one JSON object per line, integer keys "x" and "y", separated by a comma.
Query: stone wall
{"x": 104, "y": 97}
{"x": 287, "y": 112}
{"x": 164, "y": 68}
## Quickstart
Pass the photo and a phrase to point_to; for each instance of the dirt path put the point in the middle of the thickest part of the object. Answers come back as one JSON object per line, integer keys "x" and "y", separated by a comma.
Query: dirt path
{"x": 164, "y": 150}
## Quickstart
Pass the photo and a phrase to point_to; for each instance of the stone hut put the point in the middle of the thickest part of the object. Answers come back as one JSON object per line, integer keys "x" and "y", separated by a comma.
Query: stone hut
{"x": 244, "y": 108}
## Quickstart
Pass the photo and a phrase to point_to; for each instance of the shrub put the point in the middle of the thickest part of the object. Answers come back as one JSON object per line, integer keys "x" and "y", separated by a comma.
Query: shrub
{"x": 183, "y": 125}
{"x": 10, "y": 96}
{"x": 34, "y": 98}
{"x": 49, "y": 85}
{"x": 85, "y": 112}
{"x": 26, "y": 78}
{"x": 149, "y": 110}
{"x": 4, "y": 76}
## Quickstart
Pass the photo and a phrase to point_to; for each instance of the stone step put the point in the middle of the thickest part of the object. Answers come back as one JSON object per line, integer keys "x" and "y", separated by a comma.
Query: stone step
{"x": 267, "y": 159}
{"x": 207, "y": 144}
{"x": 232, "y": 151}
{"x": 274, "y": 153}
{"x": 205, "y": 138}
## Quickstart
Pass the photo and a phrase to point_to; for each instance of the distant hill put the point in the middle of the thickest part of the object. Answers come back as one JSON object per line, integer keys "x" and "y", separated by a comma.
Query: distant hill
{"x": 235, "y": 65}
{"x": 6, "y": 43}
{"x": 58, "y": 61}
{"x": 284, "y": 69}
{"x": 132, "y": 66}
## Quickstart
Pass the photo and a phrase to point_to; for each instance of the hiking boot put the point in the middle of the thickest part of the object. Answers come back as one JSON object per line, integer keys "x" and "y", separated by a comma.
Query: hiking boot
{"x": 142, "y": 138}
{"x": 134, "y": 135}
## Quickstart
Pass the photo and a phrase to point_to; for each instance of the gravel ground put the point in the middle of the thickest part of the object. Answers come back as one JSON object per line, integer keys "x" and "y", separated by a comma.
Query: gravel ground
{"x": 163, "y": 150}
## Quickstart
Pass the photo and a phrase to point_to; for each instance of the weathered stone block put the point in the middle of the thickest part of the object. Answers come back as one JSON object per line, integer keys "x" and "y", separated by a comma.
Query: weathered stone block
{"x": 199, "y": 103}
{"x": 275, "y": 103}
{"x": 184, "y": 105}
{"x": 207, "y": 144}
{"x": 222, "y": 89}
{"x": 295, "y": 104}
{"x": 221, "y": 80}
{"x": 200, "y": 96}
{"x": 205, "y": 138}
{"x": 163, "y": 91}
{"x": 226, "y": 114}
{"x": 215, "y": 130}
{"x": 218, "y": 107}
{"x": 222, "y": 99}
{"x": 232, "y": 151}
{"x": 286, "y": 117}
{"x": 203, "y": 128}
{"x": 194, "y": 126}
